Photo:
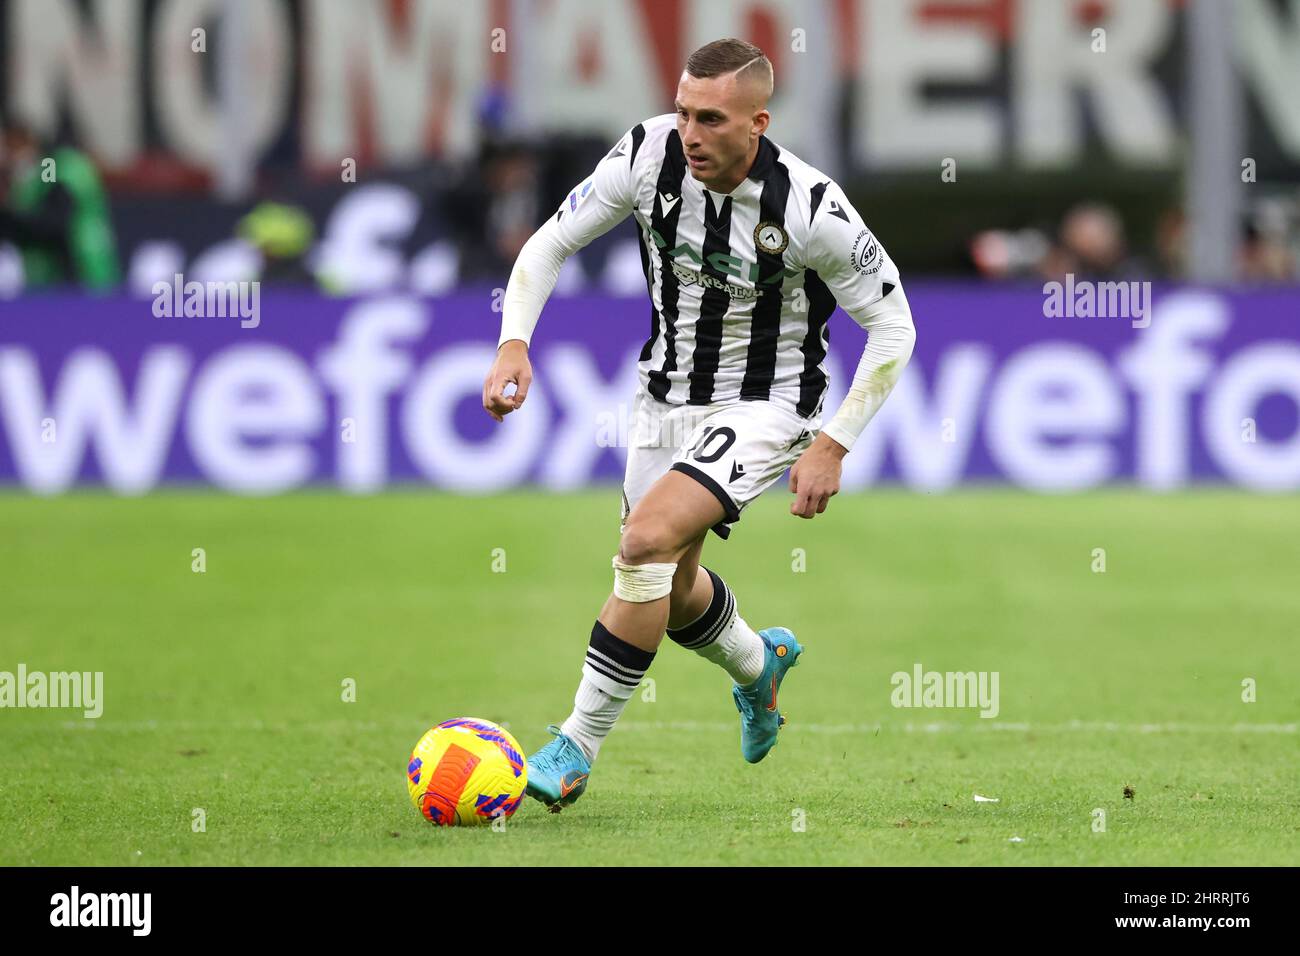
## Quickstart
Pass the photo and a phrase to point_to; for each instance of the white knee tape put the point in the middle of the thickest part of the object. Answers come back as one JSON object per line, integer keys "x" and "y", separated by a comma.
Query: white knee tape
{"x": 639, "y": 583}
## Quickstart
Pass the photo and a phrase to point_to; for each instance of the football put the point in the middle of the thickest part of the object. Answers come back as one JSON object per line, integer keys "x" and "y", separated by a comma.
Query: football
{"x": 466, "y": 771}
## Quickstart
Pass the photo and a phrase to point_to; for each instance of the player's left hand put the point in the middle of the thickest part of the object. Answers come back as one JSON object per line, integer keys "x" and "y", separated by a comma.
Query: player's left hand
{"x": 815, "y": 477}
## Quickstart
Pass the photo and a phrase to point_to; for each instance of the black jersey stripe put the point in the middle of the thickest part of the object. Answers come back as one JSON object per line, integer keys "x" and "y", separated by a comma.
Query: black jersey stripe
{"x": 638, "y": 137}
{"x": 765, "y": 324}
{"x": 815, "y": 199}
{"x": 714, "y": 304}
{"x": 671, "y": 174}
{"x": 812, "y": 380}
{"x": 650, "y": 290}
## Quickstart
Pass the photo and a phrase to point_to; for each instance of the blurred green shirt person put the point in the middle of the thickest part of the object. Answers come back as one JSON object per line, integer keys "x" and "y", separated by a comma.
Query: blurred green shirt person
{"x": 57, "y": 215}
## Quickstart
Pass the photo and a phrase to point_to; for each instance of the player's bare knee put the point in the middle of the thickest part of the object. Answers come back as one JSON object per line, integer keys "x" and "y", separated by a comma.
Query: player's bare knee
{"x": 644, "y": 544}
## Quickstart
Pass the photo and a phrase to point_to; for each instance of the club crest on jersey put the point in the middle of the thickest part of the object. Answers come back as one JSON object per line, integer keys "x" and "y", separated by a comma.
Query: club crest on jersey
{"x": 866, "y": 253}
{"x": 770, "y": 238}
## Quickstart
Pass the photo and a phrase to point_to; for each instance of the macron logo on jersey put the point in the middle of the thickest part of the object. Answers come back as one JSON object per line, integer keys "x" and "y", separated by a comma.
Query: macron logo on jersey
{"x": 619, "y": 150}
{"x": 667, "y": 202}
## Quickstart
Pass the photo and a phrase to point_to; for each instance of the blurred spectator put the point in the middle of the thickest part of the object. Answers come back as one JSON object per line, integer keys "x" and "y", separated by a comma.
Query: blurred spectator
{"x": 1003, "y": 254}
{"x": 1264, "y": 254}
{"x": 283, "y": 235}
{"x": 495, "y": 208}
{"x": 56, "y": 212}
{"x": 1091, "y": 244}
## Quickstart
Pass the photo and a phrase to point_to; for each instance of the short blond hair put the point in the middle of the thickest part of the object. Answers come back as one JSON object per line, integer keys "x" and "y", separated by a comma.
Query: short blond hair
{"x": 721, "y": 57}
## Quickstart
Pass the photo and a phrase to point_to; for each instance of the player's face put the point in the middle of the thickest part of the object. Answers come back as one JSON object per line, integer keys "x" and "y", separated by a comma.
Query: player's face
{"x": 719, "y": 120}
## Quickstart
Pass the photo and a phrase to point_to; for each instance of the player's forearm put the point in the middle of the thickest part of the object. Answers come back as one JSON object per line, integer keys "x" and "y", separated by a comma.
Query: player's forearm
{"x": 890, "y": 338}
{"x": 532, "y": 280}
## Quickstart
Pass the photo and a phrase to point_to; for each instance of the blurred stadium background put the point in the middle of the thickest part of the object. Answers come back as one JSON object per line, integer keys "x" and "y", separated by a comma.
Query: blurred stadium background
{"x": 375, "y": 167}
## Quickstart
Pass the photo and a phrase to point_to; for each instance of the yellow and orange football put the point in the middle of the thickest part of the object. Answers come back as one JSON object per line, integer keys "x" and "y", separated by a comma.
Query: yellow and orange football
{"x": 466, "y": 771}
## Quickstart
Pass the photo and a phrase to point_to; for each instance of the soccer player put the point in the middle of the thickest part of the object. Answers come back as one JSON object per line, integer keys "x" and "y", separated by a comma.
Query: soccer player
{"x": 746, "y": 251}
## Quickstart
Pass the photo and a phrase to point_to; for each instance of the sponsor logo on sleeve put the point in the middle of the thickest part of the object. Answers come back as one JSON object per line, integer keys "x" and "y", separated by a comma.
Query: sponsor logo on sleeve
{"x": 866, "y": 253}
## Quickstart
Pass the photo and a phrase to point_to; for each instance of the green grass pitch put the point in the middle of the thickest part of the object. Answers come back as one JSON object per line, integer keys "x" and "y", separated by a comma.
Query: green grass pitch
{"x": 223, "y": 690}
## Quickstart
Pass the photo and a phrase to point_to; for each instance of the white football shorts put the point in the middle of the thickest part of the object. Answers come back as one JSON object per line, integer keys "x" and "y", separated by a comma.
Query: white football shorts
{"x": 736, "y": 450}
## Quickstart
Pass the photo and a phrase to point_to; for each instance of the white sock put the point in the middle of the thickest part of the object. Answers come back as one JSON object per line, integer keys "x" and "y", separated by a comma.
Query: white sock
{"x": 612, "y": 671}
{"x": 721, "y": 635}
{"x": 739, "y": 651}
{"x": 593, "y": 717}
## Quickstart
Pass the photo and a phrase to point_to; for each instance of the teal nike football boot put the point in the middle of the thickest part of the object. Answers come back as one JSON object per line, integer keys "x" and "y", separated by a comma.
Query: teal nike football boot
{"x": 759, "y": 718}
{"x": 557, "y": 774}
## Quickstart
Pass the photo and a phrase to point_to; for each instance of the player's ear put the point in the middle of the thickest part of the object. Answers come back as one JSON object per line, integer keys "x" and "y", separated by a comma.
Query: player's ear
{"x": 761, "y": 119}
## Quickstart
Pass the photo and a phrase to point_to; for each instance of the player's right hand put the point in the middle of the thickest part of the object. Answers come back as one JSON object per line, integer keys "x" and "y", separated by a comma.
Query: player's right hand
{"x": 510, "y": 367}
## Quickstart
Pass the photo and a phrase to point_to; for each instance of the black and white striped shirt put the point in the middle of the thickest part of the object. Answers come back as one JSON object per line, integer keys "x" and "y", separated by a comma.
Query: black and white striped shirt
{"x": 742, "y": 284}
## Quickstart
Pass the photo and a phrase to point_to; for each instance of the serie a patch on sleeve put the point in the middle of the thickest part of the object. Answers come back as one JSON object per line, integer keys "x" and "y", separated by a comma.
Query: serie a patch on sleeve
{"x": 578, "y": 195}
